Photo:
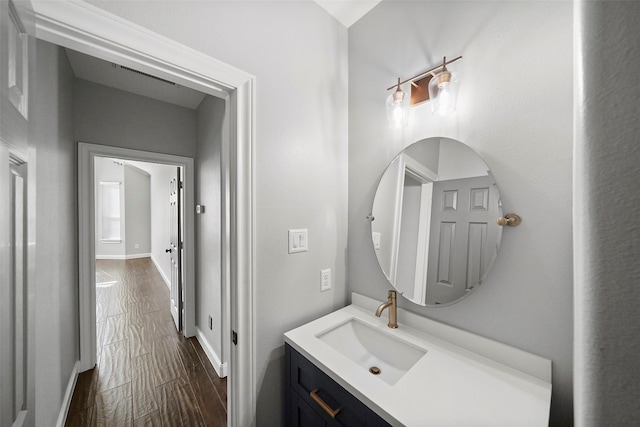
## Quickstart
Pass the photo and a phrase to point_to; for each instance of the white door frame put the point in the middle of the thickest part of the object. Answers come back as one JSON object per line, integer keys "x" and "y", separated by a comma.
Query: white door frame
{"x": 87, "y": 238}
{"x": 83, "y": 27}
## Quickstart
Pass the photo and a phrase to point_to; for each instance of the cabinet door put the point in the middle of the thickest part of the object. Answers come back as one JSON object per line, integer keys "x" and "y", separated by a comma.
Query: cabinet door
{"x": 302, "y": 415}
{"x": 331, "y": 404}
{"x": 307, "y": 379}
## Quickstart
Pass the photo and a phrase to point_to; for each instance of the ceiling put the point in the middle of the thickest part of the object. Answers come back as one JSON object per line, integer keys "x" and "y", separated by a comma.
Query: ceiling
{"x": 347, "y": 12}
{"x": 113, "y": 75}
{"x": 85, "y": 67}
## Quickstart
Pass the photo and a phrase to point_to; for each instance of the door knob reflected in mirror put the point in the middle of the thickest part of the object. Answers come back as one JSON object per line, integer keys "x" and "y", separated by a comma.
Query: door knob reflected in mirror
{"x": 168, "y": 250}
{"x": 510, "y": 219}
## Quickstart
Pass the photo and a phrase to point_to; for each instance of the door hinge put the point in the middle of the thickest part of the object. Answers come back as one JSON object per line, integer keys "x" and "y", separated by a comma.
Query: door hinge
{"x": 234, "y": 337}
{"x": 181, "y": 184}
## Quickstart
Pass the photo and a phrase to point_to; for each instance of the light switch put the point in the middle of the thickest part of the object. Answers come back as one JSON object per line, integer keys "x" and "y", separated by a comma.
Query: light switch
{"x": 298, "y": 240}
{"x": 325, "y": 280}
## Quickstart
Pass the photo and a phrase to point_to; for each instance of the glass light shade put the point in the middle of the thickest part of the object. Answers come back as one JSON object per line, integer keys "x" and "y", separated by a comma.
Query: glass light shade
{"x": 443, "y": 92}
{"x": 398, "y": 109}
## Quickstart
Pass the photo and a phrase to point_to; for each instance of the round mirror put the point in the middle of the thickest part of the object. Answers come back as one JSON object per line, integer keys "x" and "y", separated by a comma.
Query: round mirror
{"x": 434, "y": 227}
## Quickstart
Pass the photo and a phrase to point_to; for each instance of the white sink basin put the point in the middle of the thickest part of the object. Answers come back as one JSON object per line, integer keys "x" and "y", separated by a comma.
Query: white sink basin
{"x": 385, "y": 356}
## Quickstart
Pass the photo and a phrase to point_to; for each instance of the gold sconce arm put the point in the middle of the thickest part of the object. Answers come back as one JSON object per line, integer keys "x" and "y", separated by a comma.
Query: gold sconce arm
{"x": 431, "y": 72}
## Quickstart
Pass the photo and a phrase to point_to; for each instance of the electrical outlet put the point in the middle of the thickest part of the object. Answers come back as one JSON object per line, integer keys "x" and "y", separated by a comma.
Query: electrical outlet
{"x": 325, "y": 280}
{"x": 137, "y": 246}
{"x": 211, "y": 323}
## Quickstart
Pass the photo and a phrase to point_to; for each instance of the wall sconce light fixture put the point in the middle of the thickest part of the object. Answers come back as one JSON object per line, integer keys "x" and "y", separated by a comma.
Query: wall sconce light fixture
{"x": 398, "y": 108}
{"x": 437, "y": 84}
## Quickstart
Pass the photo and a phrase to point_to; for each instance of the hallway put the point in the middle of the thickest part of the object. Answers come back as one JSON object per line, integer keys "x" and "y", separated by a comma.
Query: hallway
{"x": 147, "y": 374}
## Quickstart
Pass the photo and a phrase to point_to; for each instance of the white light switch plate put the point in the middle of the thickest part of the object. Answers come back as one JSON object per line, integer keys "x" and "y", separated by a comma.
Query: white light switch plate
{"x": 298, "y": 240}
{"x": 325, "y": 280}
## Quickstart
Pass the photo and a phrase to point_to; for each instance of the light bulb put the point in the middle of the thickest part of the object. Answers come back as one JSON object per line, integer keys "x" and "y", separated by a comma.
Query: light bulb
{"x": 443, "y": 103}
{"x": 443, "y": 92}
{"x": 397, "y": 109}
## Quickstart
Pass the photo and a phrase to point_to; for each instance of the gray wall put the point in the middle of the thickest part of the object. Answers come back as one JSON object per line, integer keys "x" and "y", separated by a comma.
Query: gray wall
{"x": 116, "y": 118}
{"x": 56, "y": 293}
{"x": 209, "y": 292}
{"x": 515, "y": 110}
{"x": 607, "y": 330}
{"x": 298, "y": 54}
{"x": 137, "y": 211}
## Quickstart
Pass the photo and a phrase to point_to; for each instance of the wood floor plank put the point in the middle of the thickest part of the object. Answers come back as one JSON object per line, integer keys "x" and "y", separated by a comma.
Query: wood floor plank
{"x": 82, "y": 418}
{"x": 178, "y": 405}
{"x": 143, "y": 386}
{"x": 150, "y": 420}
{"x": 147, "y": 374}
{"x": 141, "y": 337}
{"x": 114, "y": 407}
{"x": 220, "y": 384}
{"x": 115, "y": 366}
{"x": 116, "y": 328}
{"x": 85, "y": 391}
{"x": 165, "y": 355}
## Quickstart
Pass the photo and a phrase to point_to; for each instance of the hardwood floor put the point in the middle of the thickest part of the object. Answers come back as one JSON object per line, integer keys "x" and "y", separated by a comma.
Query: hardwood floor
{"x": 147, "y": 373}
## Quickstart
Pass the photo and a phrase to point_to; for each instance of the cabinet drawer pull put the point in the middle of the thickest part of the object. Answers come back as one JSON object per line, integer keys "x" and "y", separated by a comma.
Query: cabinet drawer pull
{"x": 332, "y": 413}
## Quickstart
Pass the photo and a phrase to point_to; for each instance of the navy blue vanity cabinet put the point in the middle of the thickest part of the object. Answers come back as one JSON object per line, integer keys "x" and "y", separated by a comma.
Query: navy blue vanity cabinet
{"x": 313, "y": 399}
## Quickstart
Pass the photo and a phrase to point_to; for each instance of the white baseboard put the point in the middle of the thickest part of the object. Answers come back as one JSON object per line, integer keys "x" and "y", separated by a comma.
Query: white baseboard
{"x": 164, "y": 276}
{"x": 221, "y": 368}
{"x": 130, "y": 256}
{"x": 68, "y": 394}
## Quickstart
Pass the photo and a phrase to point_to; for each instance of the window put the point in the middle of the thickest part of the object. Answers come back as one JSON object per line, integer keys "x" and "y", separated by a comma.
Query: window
{"x": 110, "y": 212}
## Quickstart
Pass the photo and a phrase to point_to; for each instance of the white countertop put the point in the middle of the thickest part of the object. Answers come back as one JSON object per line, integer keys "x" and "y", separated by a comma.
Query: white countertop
{"x": 449, "y": 386}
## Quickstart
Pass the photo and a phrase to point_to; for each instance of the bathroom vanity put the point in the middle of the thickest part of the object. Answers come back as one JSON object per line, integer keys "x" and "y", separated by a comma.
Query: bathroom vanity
{"x": 349, "y": 368}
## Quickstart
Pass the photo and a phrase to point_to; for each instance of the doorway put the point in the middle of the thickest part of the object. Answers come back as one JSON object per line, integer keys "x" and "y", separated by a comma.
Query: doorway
{"x": 139, "y": 215}
{"x": 89, "y": 156}
{"x": 81, "y": 27}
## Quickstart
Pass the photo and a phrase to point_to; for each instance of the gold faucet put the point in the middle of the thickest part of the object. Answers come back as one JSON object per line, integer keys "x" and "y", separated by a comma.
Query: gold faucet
{"x": 393, "y": 310}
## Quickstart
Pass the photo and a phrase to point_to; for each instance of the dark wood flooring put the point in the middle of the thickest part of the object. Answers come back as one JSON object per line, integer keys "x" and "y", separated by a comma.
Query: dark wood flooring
{"x": 147, "y": 374}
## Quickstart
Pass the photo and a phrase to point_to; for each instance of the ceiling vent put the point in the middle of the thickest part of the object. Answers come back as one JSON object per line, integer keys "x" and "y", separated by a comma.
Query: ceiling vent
{"x": 122, "y": 67}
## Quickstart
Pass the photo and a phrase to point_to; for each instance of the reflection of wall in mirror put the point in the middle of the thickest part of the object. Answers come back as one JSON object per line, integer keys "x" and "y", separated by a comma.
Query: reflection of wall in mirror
{"x": 426, "y": 153}
{"x": 459, "y": 161}
{"x": 384, "y": 212}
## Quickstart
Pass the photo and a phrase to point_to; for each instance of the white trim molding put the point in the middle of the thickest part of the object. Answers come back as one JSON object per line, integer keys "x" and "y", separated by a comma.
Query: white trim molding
{"x": 88, "y": 29}
{"x": 164, "y": 276}
{"x": 220, "y": 368}
{"x": 68, "y": 394}
{"x": 123, "y": 257}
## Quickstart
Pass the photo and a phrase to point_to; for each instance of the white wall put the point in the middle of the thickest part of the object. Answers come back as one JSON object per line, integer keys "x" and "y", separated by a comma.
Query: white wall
{"x": 137, "y": 212}
{"x": 209, "y": 291}
{"x": 607, "y": 331}
{"x": 515, "y": 110}
{"x": 56, "y": 293}
{"x": 109, "y": 170}
{"x": 298, "y": 54}
{"x": 161, "y": 175}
